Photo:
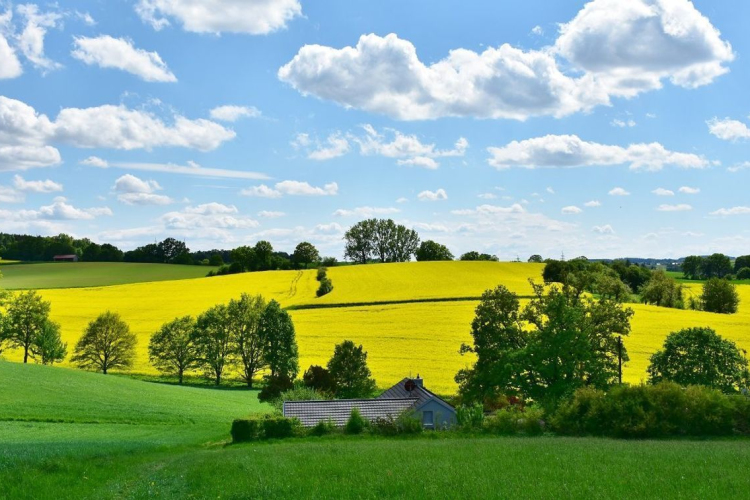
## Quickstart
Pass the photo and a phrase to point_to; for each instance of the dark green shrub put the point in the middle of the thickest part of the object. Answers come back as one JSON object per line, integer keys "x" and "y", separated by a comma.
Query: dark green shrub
{"x": 323, "y": 428}
{"x": 709, "y": 412}
{"x": 329, "y": 261}
{"x": 274, "y": 387}
{"x": 408, "y": 422}
{"x": 532, "y": 421}
{"x": 504, "y": 422}
{"x": 741, "y": 414}
{"x": 356, "y": 423}
{"x": 321, "y": 273}
{"x": 580, "y": 415}
{"x": 278, "y": 427}
{"x": 318, "y": 378}
{"x": 247, "y": 430}
{"x": 326, "y": 287}
{"x": 265, "y": 427}
{"x": 470, "y": 417}
{"x": 743, "y": 274}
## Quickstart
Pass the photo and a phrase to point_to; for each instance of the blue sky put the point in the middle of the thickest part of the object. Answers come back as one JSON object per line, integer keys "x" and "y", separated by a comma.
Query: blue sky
{"x": 602, "y": 128}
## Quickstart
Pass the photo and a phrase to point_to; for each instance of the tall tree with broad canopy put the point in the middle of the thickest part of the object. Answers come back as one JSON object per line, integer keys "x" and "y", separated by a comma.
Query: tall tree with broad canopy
{"x": 719, "y": 296}
{"x": 741, "y": 262}
{"x": 716, "y": 266}
{"x": 404, "y": 244}
{"x": 536, "y": 259}
{"x": 359, "y": 241}
{"x": 213, "y": 342}
{"x": 48, "y": 347}
{"x": 699, "y": 356}
{"x": 172, "y": 349}
{"x": 264, "y": 255}
{"x": 349, "y": 372}
{"x": 305, "y": 253}
{"x": 107, "y": 343}
{"x": 560, "y": 341}
{"x": 432, "y": 251}
{"x": 280, "y": 353}
{"x": 245, "y": 330}
{"x": 692, "y": 267}
{"x": 25, "y": 317}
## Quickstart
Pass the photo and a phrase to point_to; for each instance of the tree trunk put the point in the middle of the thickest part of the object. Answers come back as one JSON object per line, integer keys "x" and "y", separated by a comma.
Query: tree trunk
{"x": 104, "y": 370}
{"x": 180, "y": 373}
{"x": 218, "y": 379}
{"x": 26, "y": 355}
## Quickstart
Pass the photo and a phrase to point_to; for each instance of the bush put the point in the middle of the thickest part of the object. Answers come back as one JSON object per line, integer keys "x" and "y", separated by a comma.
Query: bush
{"x": 743, "y": 274}
{"x": 408, "y": 422}
{"x": 323, "y": 428}
{"x": 321, "y": 273}
{"x": 720, "y": 296}
{"x": 356, "y": 423}
{"x": 470, "y": 417}
{"x": 663, "y": 410}
{"x": 329, "y": 262}
{"x": 274, "y": 387}
{"x": 503, "y": 422}
{"x": 318, "y": 378}
{"x": 265, "y": 427}
{"x": 297, "y": 393}
{"x": 326, "y": 287}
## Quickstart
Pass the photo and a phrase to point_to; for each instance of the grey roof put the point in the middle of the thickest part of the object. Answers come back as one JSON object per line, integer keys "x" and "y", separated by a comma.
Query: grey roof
{"x": 338, "y": 411}
{"x": 422, "y": 395}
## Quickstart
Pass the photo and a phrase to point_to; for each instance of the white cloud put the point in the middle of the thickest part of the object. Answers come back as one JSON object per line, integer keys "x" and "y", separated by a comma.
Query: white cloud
{"x": 487, "y": 196}
{"x": 663, "y": 192}
{"x": 728, "y": 129}
{"x": 732, "y": 211}
{"x": 31, "y": 39}
{"x": 10, "y": 66}
{"x": 622, "y": 124}
{"x": 739, "y": 166}
{"x": 119, "y": 53}
{"x": 61, "y": 210}
{"x": 46, "y": 186}
{"x": 629, "y": 47}
{"x": 10, "y": 195}
{"x": 231, "y": 113}
{"x": 550, "y": 190}
{"x": 291, "y": 188}
{"x": 267, "y": 214}
{"x": 682, "y": 207}
{"x": 438, "y": 195}
{"x": 207, "y": 216}
{"x": 366, "y": 212}
{"x": 407, "y": 149}
{"x": 592, "y": 204}
{"x": 571, "y": 151}
{"x": 336, "y": 145}
{"x": 537, "y": 30}
{"x": 95, "y": 161}
{"x": 689, "y": 190}
{"x": 605, "y": 229}
{"x": 402, "y": 200}
{"x": 385, "y": 75}
{"x": 191, "y": 168}
{"x": 256, "y": 17}
{"x": 491, "y": 210}
{"x": 135, "y": 191}
{"x": 571, "y": 210}
{"x": 618, "y": 191}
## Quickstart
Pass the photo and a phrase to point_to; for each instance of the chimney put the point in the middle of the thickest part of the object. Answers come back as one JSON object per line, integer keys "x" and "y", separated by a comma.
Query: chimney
{"x": 418, "y": 381}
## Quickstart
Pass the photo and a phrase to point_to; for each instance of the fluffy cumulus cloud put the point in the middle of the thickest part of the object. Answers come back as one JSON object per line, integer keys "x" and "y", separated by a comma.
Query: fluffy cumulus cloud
{"x": 630, "y": 47}
{"x": 618, "y": 191}
{"x": 335, "y": 145}
{"x": 689, "y": 190}
{"x": 571, "y": 151}
{"x": 207, "y": 216}
{"x": 610, "y": 49}
{"x": 134, "y": 191}
{"x": 59, "y": 210}
{"x": 119, "y": 53}
{"x": 366, "y": 212}
{"x": 31, "y": 38}
{"x": 232, "y": 113}
{"x": 593, "y": 204}
{"x": 663, "y": 192}
{"x": 255, "y": 17}
{"x": 682, "y": 207}
{"x": 46, "y": 186}
{"x": 740, "y": 210}
{"x": 10, "y": 195}
{"x": 10, "y": 66}
{"x": 291, "y": 188}
{"x": 26, "y": 136}
{"x": 571, "y": 210}
{"x": 728, "y": 129}
{"x": 437, "y": 195}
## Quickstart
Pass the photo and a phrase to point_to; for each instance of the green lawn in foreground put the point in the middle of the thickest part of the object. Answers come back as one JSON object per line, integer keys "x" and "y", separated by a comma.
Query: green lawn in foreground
{"x": 160, "y": 441}
{"x": 86, "y": 274}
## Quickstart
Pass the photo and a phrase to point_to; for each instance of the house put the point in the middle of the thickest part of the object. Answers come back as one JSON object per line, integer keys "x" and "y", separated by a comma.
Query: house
{"x": 65, "y": 258}
{"x": 409, "y": 394}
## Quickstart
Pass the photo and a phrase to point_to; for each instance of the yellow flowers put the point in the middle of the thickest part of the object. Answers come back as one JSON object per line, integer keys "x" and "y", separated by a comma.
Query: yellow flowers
{"x": 401, "y": 339}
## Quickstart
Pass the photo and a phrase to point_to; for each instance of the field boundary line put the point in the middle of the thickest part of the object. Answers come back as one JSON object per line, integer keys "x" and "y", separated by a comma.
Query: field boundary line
{"x": 339, "y": 305}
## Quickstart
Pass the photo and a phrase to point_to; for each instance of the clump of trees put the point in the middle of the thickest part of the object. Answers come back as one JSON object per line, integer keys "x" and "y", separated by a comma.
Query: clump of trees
{"x": 663, "y": 290}
{"x": 380, "y": 239}
{"x": 719, "y": 296}
{"x": 518, "y": 349}
{"x": 699, "y": 356}
{"x": 305, "y": 254}
{"x": 717, "y": 265}
{"x": 432, "y": 251}
{"x": 26, "y": 325}
{"x": 474, "y": 255}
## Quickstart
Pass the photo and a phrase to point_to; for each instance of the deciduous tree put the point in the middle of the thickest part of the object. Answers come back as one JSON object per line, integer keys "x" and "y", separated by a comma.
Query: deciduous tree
{"x": 48, "y": 347}
{"x": 172, "y": 349}
{"x": 25, "y": 317}
{"x": 280, "y": 353}
{"x": 305, "y": 253}
{"x": 245, "y": 331}
{"x": 351, "y": 376}
{"x": 432, "y": 251}
{"x": 213, "y": 342}
{"x": 719, "y": 296}
{"x": 107, "y": 343}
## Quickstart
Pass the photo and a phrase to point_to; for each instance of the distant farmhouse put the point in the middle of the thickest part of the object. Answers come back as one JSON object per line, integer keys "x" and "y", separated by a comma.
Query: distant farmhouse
{"x": 409, "y": 394}
{"x": 65, "y": 258}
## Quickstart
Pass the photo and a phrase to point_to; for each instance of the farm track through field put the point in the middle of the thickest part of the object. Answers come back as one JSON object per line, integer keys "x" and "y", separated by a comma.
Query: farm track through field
{"x": 293, "y": 286}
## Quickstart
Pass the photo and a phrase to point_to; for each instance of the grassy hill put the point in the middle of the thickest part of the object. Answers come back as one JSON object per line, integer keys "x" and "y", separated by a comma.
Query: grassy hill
{"x": 85, "y": 274}
{"x": 380, "y": 306}
{"x": 155, "y": 441}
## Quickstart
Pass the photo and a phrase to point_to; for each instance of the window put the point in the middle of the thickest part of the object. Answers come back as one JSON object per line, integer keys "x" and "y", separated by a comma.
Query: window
{"x": 427, "y": 419}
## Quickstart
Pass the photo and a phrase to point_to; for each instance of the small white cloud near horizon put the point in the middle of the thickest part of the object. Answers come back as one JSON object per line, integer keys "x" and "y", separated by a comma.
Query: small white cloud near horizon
{"x": 618, "y": 191}
{"x": 571, "y": 210}
{"x": 232, "y": 113}
{"x": 682, "y": 207}
{"x": 663, "y": 192}
{"x": 438, "y": 195}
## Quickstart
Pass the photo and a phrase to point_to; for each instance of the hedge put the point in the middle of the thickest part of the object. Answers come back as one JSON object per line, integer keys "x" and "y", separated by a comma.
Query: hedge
{"x": 266, "y": 427}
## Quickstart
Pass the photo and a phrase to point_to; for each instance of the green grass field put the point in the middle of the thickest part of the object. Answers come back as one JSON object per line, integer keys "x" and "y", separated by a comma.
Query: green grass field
{"x": 160, "y": 441}
{"x": 681, "y": 278}
{"x": 90, "y": 274}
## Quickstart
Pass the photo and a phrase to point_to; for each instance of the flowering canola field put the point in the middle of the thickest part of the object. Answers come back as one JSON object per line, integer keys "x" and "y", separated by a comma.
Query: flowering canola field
{"x": 401, "y": 339}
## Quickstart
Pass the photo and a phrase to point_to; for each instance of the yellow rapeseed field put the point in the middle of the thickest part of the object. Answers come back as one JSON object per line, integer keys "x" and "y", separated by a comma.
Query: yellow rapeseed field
{"x": 401, "y": 339}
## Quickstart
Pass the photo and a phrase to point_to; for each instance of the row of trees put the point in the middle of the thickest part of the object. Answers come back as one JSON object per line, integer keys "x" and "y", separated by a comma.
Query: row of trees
{"x": 380, "y": 239}
{"x": 717, "y": 265}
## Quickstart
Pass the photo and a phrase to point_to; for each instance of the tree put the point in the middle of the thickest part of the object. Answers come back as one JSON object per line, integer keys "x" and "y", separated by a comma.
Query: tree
{"x": 404, "y": 243}
{"x": 473, "y": 255}
{"x": 661, "y": 290}
{"x": 245, "y": 331}
{"x": 518, "y": 351}
{"x": 170, "y": 249}
{"x": 318, "y": 378}
{"x": 107, "y": 343}
{"x": 741, "y": 262}
{"x": 216, "y": 260}
{"x": 692, "y": 267}
{"x": 432, "y": 251}
{"x": 245, "y": 257}
{"x": 48, "y": 347}
{"x": 536, "y": 259}
{"x": 743, "y": 274}
{"x": 172, "y": 349}
{"x": 213, "y": 342}
{"x": 699, "y": 356}
{"x": 383, "y": 235}
{"x": 716, "y": 266}
{"x": 263, "y": 255}
{"x": 25, "y": 317}
{"x": 719, "y": 296}
{"x": 280, "y": 352}
{"x": 359, "y": 241}
{"x": 351, "y": 376}
{"x": 305, "y": 253}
